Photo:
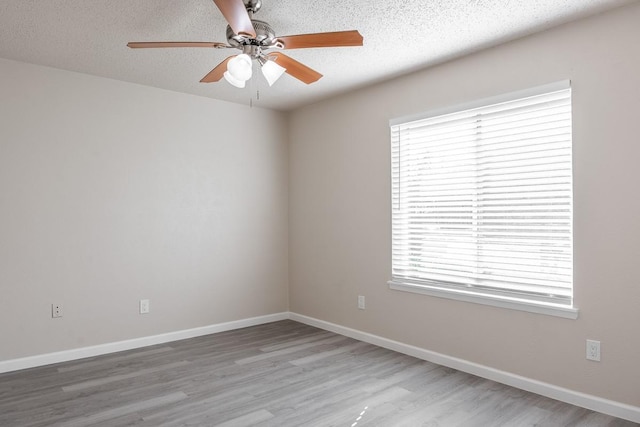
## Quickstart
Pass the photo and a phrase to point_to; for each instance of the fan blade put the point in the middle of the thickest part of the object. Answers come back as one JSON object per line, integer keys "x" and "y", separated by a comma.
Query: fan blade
{"x": 295, "y": 68}
{"x": 138, "y": 45}
{"x": 236, "y": 15}
{"x": 216, "y": 74}
{"x": 335, "y": 39}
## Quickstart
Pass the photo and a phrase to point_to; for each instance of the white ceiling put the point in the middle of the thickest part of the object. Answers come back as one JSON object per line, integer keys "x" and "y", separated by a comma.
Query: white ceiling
{"x": 90, "y": 36}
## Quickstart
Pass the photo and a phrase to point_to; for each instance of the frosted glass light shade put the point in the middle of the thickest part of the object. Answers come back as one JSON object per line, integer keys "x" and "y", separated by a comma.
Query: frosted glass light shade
{"x": 232, "y": 80}
{"x": 238, "y": 70}
{"x": 272, "y": 72}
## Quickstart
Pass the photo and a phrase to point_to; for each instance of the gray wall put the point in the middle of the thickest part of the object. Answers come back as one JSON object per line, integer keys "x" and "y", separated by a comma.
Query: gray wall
{"x": 111, "y": 192}
{"x": 339, "y": 216}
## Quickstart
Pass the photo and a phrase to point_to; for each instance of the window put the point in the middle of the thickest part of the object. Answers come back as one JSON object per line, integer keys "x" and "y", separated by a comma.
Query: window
{"x": 482, "y": 202}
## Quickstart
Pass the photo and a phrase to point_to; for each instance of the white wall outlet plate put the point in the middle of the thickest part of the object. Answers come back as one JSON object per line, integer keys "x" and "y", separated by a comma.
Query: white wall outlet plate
{"x": 56, "y": 310}
{"x": 361, "y": 302}
{"x": 144, "y": 306}
{"x": 593, "y": 350}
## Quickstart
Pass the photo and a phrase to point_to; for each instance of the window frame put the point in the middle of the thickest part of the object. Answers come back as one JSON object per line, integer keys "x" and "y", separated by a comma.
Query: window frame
{"x": 509, "y": 302}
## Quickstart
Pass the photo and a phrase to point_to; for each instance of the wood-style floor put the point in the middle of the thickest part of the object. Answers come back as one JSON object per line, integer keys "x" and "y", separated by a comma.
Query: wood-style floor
{"x": 279, "y": 374}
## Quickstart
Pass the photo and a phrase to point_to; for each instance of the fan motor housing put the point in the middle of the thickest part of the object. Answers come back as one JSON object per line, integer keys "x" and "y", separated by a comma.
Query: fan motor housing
{"x": 265, "y": 36}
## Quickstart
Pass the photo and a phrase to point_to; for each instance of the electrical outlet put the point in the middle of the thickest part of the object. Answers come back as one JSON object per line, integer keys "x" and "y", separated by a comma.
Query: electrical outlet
{"x": 144, "y": 306}
{"x": 361, "y": 302}
{"x": 593, "y": 350}
{"x": 56, "y": 310}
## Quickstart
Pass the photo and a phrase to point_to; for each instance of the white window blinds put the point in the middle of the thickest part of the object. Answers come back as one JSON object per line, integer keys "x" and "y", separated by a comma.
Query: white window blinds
{"x": 482, "y": 200}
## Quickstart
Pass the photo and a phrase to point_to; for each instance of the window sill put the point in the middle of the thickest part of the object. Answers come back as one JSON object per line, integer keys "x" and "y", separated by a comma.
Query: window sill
{"x": 512, "y": 304}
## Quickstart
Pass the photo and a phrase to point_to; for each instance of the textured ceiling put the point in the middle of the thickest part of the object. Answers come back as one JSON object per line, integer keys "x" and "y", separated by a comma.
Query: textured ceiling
{"x": 90, "y": 36}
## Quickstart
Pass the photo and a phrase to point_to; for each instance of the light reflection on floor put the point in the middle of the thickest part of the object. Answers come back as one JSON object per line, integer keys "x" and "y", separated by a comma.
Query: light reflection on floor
{"x": 360, "y": 416}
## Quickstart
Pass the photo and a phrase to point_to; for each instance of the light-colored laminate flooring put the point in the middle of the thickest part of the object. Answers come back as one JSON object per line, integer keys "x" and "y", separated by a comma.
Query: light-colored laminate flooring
{"x": 279, "y": 374}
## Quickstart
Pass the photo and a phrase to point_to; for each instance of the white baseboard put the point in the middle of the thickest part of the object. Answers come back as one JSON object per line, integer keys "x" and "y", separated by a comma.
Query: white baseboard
{"x": 594, "y": 403}
{"x": 97, "y": 350}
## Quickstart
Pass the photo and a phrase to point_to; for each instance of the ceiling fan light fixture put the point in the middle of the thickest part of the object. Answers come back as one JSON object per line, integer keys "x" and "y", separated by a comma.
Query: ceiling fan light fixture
{"x": 233, "y": 81}
{"x": 239, "y": 70}
{"x": 272, "y": 71}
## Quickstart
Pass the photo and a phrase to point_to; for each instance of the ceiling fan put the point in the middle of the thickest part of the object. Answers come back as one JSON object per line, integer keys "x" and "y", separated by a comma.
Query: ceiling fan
{"x": 256, "y": 39}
